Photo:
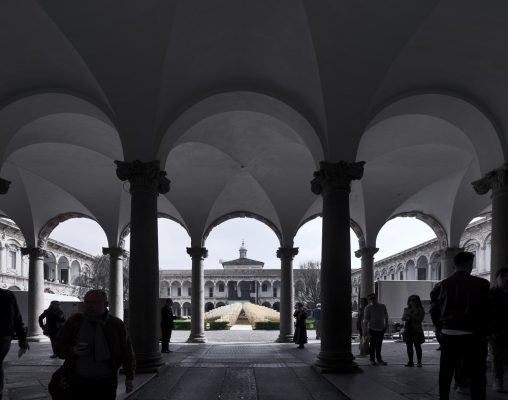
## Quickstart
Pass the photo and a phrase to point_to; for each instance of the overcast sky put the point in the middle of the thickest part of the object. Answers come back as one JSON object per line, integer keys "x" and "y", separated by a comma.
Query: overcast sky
{"x": 261, "y": 243}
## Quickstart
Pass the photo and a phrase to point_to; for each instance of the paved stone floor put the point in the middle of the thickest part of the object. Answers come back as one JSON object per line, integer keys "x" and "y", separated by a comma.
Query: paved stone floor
{"x": 248, "y": 365}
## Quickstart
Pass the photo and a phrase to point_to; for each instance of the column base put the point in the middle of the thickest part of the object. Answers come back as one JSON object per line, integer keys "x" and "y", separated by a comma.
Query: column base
{"x": 284, "y": 339}
{"x": 198, "y": 338}
{"x": 148, "y": 362}
{"x": 334, "y": 362}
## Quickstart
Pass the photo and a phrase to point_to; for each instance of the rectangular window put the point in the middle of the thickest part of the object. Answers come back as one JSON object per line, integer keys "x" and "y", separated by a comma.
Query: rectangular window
{"x": 221, "y": 287}
{"x": 401, "y": 275}
{"x": 189, "y": 292}
{"x": 64, "y": 276}
{"x": 264, "y": 287}
{"x": 393, "y": 277}
{"x": 274, "y": 292}
{"x": 11, "y": 259}
{"x": 210, "y": 292}
{"x": 169, "y": 292}
{"x": 179, "y": 291}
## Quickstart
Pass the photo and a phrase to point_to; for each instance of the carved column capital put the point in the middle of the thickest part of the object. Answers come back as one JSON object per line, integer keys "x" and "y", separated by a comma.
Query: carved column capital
{"x": 336, "y": 176}
{"x": 366, "y": 252}
{"x": 4, "y": 185}
{"x": 493, "y": 180}
{"x": 143, "y": 176}
{"x": 114, "y": 252}
{"x": 287, "y": 252}
{"x": 200, "y": 252}
{"x": 34, "y": 252}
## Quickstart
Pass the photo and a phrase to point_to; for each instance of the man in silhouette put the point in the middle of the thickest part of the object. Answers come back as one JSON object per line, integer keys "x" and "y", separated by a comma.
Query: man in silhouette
{"x": 167, "y": 325}
{"x": 376, "y": 321}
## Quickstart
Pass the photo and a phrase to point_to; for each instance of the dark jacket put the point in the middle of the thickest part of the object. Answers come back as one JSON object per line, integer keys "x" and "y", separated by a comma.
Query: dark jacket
{"x": 54, "y": 320}
{"x": 167, "y": 317}
{"x": 499, "y": 310}
{"x": 10, "y": 317}
{"x": 116, "y": 335}
{"x": 462, "y": 302}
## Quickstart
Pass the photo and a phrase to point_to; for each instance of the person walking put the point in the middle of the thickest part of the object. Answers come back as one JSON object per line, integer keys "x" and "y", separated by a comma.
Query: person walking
{"x": 376, "y": 321}
{"x": 499, "y": 337}
{"x": 413, "y": 331}
{"x": 461, "y": 310}
{"x": 167, "y": 325}
{"x": 95, "y": 345}
{"x": 10, "y": 322}
{"x": 300, "y": 336}
{"x": 316, "y": 316}
{"x": 51, "y": 320}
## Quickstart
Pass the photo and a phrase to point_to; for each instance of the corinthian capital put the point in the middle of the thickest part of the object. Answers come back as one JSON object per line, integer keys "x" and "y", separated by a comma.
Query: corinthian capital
{"x": 336, "y": 176}
{"x": 493, "y": 180}
{"x": 143, "y": 176}
{"x": 115, "y": 252}
{"x": 366, "y": 252}
{"x": 200, "y": 252}
{"x": 287, "y": 252}
{"x": 4, "y": 186}
{"x": 34, "y": 252}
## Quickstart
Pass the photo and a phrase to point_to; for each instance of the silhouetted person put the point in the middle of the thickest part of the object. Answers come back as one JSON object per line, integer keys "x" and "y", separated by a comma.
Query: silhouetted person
{"x": 413, "y": 331}
{"x": 316, "y": 316}
{"x": 376, "y": 321}
{"x": 167, "y": 325}
{"x": 460, "y": 310}
{"x": 51, "y": 320}
{"x": 499, "y": 336}
{"x": 95, "y": 345}
{"x": 300, "y": 315}
{"x": 10, "y": 322}
{"x": 361, "y": 315}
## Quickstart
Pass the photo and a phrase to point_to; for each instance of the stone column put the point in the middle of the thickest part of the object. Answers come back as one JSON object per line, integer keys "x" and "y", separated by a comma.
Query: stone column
{"x": 497, "y": 181}
{"x": 333, "y": 182}
{"x": 197, "y": 334}
{"x": 286, "y": 255}
{"x": 4, "y": 188}
{"x": 35, "y": 288}
{"x": 146, "y": 182}
{"x": 447, "y": 265}
{"x": 116, "y": 257}
{"x": 367, "y": 271}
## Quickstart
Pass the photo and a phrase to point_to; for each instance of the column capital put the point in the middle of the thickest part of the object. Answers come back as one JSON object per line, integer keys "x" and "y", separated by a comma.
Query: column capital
{"x": 4, "y": 185}
{"x": 115, "y": 252}
{"x": 493, "y": 180}
{"x": 336, "y": 176}
{"x": 143, "y": 176}
{"x": 366, "y": 252}
{"x": 201, "y": 252}
{"x": 287, "y": 252}
{"x": 32, "y": 252}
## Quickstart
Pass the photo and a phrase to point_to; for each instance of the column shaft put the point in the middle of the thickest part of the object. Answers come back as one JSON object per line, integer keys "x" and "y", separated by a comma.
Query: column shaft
{"x": 197, "y": 334}
{"x": 146, "y": 182}
{"x": 116, "y": 299}
{"x": 286, "y": 255}
{"x": 35, "y": 288}
{"x": 367, "y": 271}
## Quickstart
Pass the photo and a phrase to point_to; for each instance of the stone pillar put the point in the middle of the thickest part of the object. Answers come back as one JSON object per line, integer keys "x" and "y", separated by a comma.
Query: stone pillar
{"x": 497, "y": 181}
{"x": 333, "y": 182}
{"x": 197, "y": 334}
{"x": 447, "y": 265}
{"x": 116, "y": 257}
{"x": 35, "y": 288}
{"x": 3, "y": 265}
{"x": 146, "y": 182}
{"x": 367, "y": 271}
{"x": 286, "y": 255}
{"x": 4, "y": 188}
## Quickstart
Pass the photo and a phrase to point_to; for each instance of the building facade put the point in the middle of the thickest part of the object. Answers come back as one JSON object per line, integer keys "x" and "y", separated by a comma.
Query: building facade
{"x": 423, "y": 262}
{"x": 62, "y": 263}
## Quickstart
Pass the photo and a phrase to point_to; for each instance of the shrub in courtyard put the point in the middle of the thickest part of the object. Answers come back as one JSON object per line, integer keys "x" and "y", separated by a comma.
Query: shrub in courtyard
{"x": 217, "y": 325}
{"x": 267, "y": 325}
{"x": 182, "y": 325}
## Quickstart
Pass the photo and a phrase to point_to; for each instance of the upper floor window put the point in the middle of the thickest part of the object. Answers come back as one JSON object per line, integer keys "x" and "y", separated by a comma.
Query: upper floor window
{"x": 274, "y": 292}
{"x": 221, "y": 287}
{"x": 401, "y": 275}
{"x": 210, "y": 292}
{"x": 264, "y": 287}
{"x": 11, "y": 260}
{"x": 179, "y": 291}
{"x": 189, "y": 291}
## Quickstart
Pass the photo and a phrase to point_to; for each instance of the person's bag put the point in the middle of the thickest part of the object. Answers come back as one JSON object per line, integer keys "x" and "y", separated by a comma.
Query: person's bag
{"x": 60, "y": 385}
{"x": 364, "y": 345}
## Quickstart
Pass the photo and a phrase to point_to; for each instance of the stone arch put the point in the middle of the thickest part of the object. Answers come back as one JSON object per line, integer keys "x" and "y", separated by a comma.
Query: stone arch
{"x": 50, "y": 273}
{"x": 13, "y": 288}
{"x": 186, "y": 309}
{"x": 276, "y": 306}
{"x": 242, "y": 214}
{"x": 410, "y": 270}
{"x": 176, "y": 289}
{"x": 433, "y": 223}
{"x": 50, "y": 225}
{"x": 473, "y": 246}
{"x": 220, "y": 304}
{"x": 435, "y": 266}
{"x": 400, "y": 271}
{"x": 266, "y": 286}
{"x": 422, "y": 268}
{"x": 266, "y": 304}
{"x": 276, "y": 288}
{"x": 209, "y": 288}
{"x": 177, "y": 308}
{"x": 220, "y": 288}
{"x": 75, "y": 272}
{"x": 209, "y": 306}
{"x": 164, "y": 289}
{"x": 63, "y": 270}
{"x": 186, "y": 288}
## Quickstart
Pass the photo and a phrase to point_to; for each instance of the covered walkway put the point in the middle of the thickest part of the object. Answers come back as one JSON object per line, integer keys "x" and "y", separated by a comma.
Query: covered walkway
{"x": 248, "y": 365}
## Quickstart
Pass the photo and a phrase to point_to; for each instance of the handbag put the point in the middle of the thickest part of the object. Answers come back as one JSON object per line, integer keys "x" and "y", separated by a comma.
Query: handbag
{"x": 60, "y": 385}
